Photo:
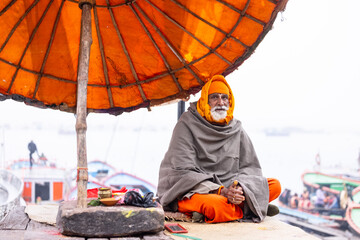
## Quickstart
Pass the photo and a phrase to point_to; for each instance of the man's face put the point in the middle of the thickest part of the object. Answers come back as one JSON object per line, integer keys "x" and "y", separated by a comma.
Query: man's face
{"x": 218, "y": 99}
{"x": 219, "y": 104}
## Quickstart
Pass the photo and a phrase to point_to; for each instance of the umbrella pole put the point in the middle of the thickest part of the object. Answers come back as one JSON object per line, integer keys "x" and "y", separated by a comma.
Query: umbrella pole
{"x": 81, "y": 107}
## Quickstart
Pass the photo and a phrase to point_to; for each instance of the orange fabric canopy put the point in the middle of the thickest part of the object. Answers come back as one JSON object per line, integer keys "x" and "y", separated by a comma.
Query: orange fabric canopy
{"x": 144, "y": 52}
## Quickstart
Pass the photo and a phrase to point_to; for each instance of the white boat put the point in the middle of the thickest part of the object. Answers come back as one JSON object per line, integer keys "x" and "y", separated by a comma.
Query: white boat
{"x": 102, "y": 174}
{"x": 44, "y": 182}
{"x": 10, "y": 191}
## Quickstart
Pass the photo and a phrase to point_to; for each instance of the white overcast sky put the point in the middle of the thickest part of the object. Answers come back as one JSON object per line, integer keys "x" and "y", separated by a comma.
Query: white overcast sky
{"x": 305, "y": 73}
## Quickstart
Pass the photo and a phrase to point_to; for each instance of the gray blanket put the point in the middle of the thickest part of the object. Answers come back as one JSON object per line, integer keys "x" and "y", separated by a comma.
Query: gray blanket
{"x": 200, "y": 151}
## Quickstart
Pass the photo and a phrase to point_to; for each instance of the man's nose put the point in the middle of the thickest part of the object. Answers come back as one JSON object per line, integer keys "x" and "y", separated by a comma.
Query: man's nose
{"x": 221, "y": 102}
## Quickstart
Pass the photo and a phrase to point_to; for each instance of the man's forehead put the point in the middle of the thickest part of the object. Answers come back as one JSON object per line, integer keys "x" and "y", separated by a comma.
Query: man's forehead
{"x": 218, "y": 94}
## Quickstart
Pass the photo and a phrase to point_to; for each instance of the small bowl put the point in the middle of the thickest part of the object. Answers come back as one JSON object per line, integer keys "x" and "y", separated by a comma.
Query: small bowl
{"x": 109, "y": 201}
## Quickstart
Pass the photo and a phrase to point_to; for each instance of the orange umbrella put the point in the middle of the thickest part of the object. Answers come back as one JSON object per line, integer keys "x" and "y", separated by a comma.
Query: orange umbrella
{"x": 120, "y": 55}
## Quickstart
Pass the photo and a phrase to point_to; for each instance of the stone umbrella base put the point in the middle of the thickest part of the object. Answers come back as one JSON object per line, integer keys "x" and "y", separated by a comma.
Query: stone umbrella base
{"x": 105, "y": 221}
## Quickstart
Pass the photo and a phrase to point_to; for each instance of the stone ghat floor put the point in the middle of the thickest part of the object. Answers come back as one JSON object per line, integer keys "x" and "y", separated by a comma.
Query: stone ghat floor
{"x": 38, "y": 222}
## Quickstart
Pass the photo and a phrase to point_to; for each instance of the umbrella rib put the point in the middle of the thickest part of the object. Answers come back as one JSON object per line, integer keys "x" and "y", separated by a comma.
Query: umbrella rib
{"x": 171, "y": 47}
{"x": 48, "y": 49}
{"x": 192, "y": 35}
{"x": 156, "y": 46}
{"x": 96, "y": 85}
{"x": 7, "y": 7}
{"x": 18, "y": 23}
{"x": 126, "y": 53}
{"x": 39, "y": 74}
{"x": 242, "y": 12}
{"x": 234, "y": 27}
{"x": 101, "y": 46}
{"x": 28, "y": 44}
{"x": 280, "y": 6}
{"x": 210, "y": 24}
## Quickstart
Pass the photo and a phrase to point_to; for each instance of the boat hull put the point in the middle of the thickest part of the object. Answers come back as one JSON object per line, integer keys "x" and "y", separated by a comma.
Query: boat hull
{"x": 353, "y": 217}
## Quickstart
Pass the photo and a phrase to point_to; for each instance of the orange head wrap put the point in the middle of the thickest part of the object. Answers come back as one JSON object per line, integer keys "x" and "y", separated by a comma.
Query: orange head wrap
{"x": 217, "y": 84}
{"x": 218, "y": 87}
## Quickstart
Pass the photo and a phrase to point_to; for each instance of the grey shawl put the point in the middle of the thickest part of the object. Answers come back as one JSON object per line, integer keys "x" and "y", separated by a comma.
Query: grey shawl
{"x": 200, "y": 151}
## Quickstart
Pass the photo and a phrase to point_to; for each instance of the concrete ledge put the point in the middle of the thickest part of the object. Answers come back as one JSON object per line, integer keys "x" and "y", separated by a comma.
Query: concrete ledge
{"x": 103, "y": 221}
{"x": 270, "y": 229}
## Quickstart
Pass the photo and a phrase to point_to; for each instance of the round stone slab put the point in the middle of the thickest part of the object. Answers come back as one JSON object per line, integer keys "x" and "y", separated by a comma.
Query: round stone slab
{"x": 105, "y": 221}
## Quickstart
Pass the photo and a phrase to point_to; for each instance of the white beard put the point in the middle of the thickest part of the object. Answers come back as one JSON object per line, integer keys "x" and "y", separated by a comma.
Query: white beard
{"x": 218, "y": 116}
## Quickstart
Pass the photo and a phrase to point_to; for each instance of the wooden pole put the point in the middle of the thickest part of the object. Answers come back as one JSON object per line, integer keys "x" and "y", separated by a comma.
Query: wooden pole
{"x": 81, "y": 104}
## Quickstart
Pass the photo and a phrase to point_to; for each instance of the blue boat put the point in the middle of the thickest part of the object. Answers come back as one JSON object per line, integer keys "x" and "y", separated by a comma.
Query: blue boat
{"x": 123, "y": 179}
{"x": 97, "y": 169}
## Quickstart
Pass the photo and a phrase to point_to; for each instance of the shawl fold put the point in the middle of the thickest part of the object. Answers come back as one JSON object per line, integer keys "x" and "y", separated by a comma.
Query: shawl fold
{"x": 200, "y": 151}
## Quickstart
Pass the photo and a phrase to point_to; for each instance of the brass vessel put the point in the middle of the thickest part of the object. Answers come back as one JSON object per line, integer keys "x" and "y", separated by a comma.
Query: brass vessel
{"x": 104, "y": 193}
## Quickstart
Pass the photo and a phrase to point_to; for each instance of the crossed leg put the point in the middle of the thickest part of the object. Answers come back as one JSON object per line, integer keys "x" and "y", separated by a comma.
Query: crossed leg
{"x": 216, "y": 208}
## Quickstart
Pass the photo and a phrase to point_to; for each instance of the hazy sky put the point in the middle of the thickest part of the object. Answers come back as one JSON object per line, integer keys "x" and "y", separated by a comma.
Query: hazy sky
{"x": 304, "y": 73}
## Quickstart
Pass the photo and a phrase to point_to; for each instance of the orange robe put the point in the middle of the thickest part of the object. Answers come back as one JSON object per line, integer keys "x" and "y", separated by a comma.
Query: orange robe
{"x": 216, "y": 208}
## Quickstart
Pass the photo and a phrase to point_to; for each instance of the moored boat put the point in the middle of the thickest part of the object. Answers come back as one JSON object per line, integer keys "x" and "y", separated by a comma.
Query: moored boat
{"x": 98, "y": 169}
{"x": 311, "y": 218}
{"x": 10, "y": 191}
{"x": 44, "y": 182}
{"x": 344, "y": 187}
{"x": 90, "y": 185}
{"x": 353, "y": 217}
{"x": 102, "y": 174}
{"x": 356, "y": 195}
{"x": 123, "y": 179}
{"x": 332, "y": 183}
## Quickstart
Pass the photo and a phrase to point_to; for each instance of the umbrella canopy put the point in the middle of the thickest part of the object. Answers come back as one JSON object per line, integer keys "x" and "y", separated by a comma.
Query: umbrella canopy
{"x": 144, "y": 52}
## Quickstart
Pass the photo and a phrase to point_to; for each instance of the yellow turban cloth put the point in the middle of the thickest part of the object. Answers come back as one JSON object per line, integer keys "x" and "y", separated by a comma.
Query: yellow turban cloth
{"x": 217, "y": 84}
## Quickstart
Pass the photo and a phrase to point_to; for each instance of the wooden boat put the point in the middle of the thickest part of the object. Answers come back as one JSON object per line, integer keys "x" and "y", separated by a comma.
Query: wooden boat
{"x": 311, "y": 218}
{"x": 123, "y": 179}
{"x": 43, "y": 182}
{"x": 97, "y": 169}
{"x": 91, "y": 184}
{"x": 346, "y": 187}
{"x": 24, "y": 163}
{"x": 353, "y": 211}
{"x": 115, "y": 180}
{"x": 318, "y": 216}
{"x": 356, "y": 195}
{"x": 353, "y": 217}
{"x": 332, "y": 183}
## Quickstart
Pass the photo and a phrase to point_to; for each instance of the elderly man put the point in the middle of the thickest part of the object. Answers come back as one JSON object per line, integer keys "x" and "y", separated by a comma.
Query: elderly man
{"x": 211, "y": 168}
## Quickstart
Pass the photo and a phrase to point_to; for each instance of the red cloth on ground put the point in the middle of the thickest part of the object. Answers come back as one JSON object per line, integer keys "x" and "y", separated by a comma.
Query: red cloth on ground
{"x": 216, "y": 208}
{"x": 93, "y": 192}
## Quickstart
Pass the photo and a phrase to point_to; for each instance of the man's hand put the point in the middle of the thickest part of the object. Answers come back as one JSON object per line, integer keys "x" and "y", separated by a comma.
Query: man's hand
{"x": 234, "y": 194}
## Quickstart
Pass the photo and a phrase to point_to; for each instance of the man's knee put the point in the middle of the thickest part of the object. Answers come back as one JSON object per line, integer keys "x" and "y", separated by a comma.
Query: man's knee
{"x": 209, "y": 202}
{"x": 274, "y": 188}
